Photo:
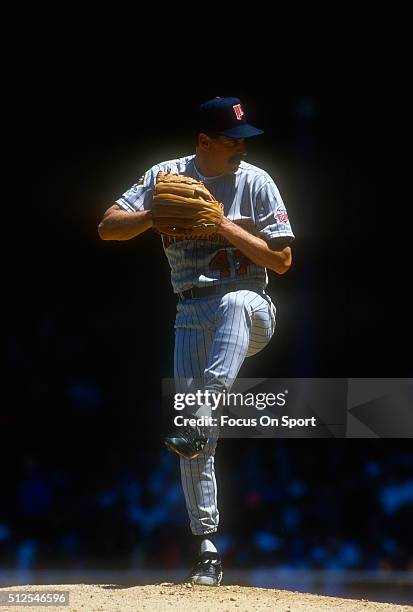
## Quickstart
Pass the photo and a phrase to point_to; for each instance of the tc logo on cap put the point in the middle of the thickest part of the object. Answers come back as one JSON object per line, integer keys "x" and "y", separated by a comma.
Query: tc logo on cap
{"x": 239, "y": 113}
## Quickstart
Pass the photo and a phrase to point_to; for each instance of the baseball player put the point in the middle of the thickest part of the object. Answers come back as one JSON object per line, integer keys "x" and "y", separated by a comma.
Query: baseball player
{"x": 223, "y": 311}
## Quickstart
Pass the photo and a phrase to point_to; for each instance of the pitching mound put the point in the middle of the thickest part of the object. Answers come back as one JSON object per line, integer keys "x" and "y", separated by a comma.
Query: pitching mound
{"x": 186, "y": 598}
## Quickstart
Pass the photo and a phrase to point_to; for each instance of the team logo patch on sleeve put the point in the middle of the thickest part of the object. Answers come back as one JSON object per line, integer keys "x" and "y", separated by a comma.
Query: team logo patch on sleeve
{"x": 281, "y": 217}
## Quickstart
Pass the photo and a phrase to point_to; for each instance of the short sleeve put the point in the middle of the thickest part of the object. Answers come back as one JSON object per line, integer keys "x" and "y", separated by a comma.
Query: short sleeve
{"x": 271, "y": 215}
{"x": 139, "y": 196}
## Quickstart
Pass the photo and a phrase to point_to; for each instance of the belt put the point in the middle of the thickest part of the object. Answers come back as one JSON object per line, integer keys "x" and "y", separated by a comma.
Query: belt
{"x": 200, "y": 292}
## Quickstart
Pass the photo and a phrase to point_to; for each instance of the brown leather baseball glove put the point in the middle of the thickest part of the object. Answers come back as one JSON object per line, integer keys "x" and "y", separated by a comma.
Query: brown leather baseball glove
{"x": 183, "y": 207}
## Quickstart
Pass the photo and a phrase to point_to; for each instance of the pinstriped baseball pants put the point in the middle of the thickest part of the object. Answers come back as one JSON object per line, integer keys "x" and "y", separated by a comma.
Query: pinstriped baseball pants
{"x": 212, "y": 338}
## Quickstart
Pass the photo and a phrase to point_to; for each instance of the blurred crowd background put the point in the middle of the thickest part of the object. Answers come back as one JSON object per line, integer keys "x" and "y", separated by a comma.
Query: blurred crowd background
{"x": 290, "y": 504}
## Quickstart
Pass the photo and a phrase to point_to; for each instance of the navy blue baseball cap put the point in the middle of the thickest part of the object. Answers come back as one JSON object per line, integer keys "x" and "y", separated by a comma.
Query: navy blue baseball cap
{"x": 225, "y": 116}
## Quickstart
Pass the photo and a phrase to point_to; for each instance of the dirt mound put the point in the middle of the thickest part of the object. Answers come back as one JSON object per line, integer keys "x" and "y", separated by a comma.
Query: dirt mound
{"x": 187, "y": 598}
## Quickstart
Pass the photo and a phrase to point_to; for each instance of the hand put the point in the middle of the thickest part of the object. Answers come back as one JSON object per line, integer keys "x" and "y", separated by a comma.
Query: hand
{"x": 199, "y": 192}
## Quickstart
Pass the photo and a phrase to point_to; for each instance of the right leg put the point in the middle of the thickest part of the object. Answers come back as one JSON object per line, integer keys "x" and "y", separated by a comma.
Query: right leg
{"x": 192, "y": 345}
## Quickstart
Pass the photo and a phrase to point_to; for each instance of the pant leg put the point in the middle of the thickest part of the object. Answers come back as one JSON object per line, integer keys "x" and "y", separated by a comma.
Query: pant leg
{"x": 245, "y": 325}
{"x": 263, "y": 323}
{"x": 212, "y": 340}
{"x": 192, "y": 345}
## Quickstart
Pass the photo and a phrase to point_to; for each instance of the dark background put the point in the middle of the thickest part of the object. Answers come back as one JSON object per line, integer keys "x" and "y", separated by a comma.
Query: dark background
{"x": 89, "y": 334}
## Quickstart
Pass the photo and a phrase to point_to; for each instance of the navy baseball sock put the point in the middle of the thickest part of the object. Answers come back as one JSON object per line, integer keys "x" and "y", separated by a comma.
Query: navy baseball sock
{"x": 205, "y": 542}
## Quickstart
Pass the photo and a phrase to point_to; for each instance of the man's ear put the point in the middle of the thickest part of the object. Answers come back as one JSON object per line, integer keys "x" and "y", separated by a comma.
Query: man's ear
{"x": 204, "y": 141}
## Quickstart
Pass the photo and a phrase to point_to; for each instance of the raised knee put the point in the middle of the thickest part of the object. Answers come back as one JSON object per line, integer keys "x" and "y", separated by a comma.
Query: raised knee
{"x": 234, "y": 301}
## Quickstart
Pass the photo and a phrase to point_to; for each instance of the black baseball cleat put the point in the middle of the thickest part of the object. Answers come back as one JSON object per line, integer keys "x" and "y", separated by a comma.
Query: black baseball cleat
{"x": 207, "y": 570}
{"x": 188, "y": 442}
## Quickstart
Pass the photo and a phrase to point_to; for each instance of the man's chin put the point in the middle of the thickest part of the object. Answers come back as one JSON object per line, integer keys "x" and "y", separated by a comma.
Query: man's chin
{"x": 233, "y": 167}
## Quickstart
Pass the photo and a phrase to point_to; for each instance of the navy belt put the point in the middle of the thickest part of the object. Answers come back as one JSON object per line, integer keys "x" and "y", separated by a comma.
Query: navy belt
{"x": 200, "y": 292}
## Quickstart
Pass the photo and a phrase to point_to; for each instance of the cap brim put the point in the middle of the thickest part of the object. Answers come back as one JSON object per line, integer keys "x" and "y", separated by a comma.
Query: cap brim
{"x": 242, "y": 131}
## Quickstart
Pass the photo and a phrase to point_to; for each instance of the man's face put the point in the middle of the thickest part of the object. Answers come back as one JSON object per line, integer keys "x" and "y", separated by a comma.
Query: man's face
{"x": 225, "y": 154}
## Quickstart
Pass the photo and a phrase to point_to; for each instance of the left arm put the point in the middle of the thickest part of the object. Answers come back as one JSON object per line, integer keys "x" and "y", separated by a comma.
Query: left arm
{"x": 256, "y": 248}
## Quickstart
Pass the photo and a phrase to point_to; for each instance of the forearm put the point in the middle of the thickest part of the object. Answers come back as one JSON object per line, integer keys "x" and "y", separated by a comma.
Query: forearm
{"x": 122, "y": 225}
{"x": 255, "y": 248}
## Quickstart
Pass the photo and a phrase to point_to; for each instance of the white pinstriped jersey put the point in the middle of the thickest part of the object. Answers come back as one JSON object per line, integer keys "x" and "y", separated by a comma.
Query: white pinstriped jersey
{"x": 251, "y": 199}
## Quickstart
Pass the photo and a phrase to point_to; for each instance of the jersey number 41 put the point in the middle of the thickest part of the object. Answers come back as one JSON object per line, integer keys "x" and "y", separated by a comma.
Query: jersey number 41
{"x": 221, "y": 262}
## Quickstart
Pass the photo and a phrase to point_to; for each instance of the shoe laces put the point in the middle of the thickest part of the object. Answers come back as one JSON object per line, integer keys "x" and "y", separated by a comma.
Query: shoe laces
{"x": 209, "y": 558}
